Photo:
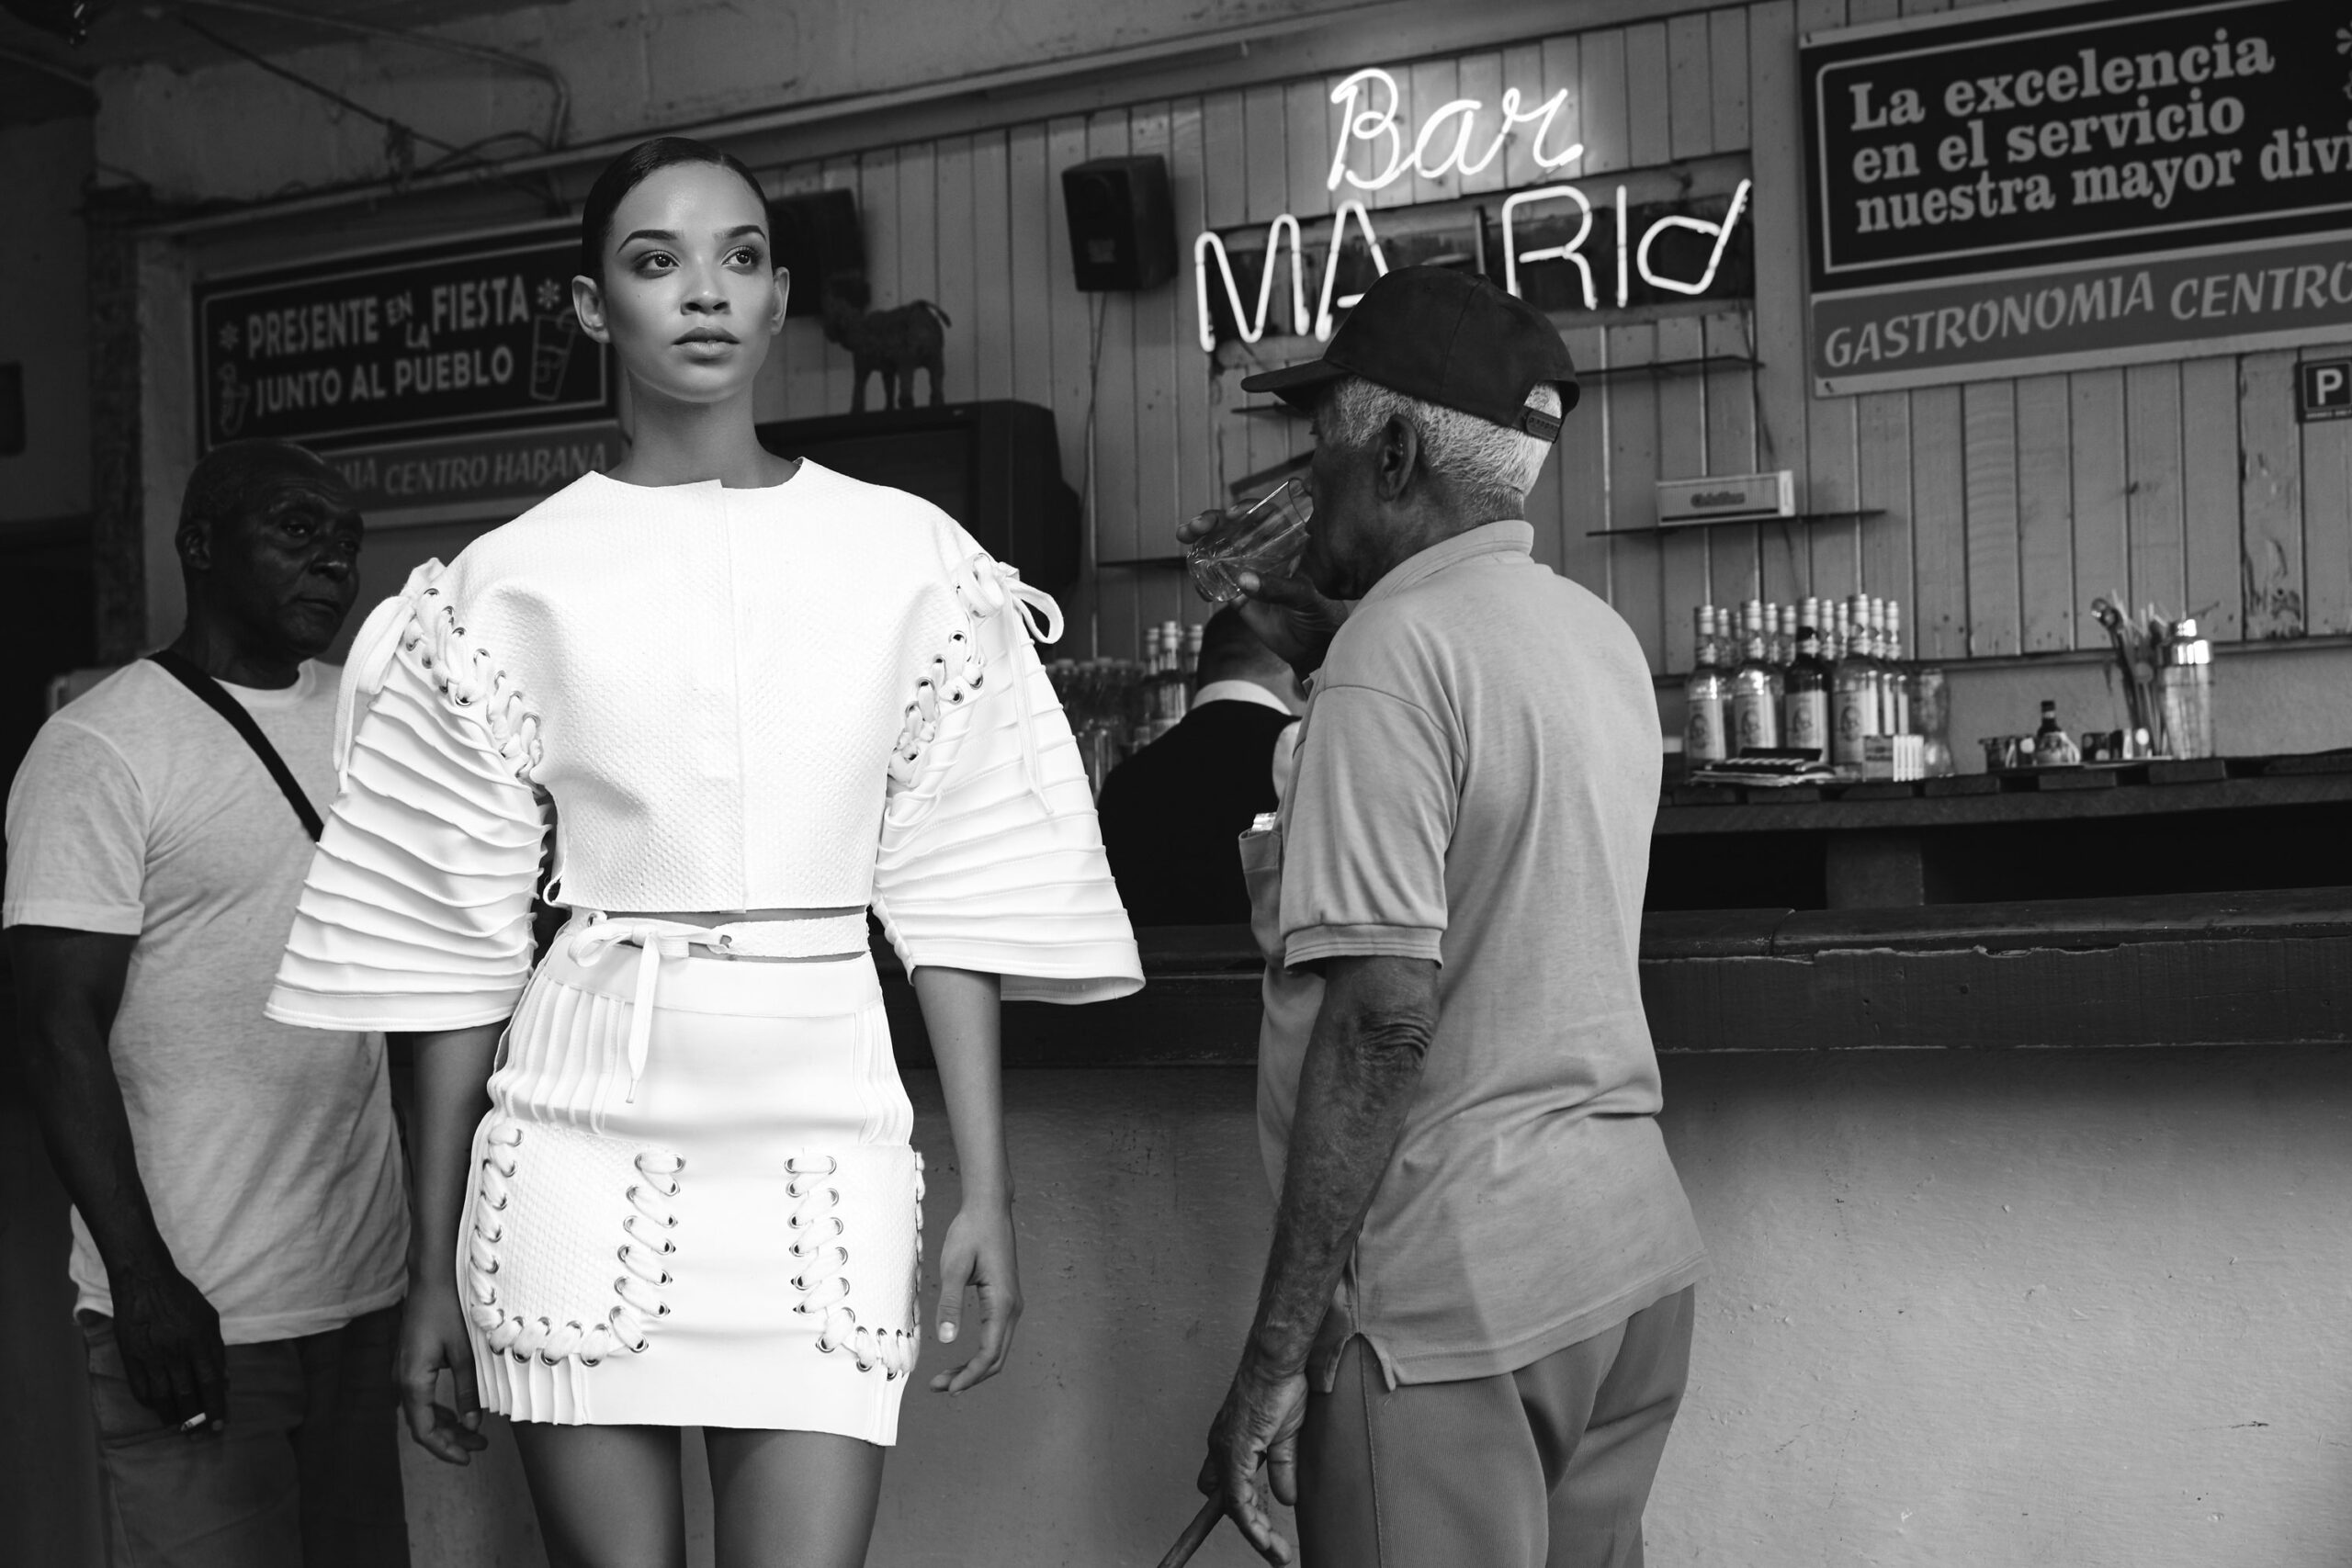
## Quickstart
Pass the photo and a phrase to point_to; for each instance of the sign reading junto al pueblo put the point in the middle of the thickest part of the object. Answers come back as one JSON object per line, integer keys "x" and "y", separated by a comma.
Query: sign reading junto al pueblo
{"x": 2040, "y": 186}
{"x": 463, "y": 337}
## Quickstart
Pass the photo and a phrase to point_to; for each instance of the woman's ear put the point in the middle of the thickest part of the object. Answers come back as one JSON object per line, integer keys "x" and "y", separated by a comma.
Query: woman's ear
{"x": 588, "y": 301}
{"x": 783, "y": 299}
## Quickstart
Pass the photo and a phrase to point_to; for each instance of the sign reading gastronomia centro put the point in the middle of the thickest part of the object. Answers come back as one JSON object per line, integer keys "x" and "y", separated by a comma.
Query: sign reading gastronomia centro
{"x": 2038, "y": 187}
{"x": 464, "y": 336}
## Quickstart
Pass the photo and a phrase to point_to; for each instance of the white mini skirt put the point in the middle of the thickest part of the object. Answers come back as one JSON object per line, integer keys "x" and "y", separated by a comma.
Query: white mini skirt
{"x": 729, "y": 1236}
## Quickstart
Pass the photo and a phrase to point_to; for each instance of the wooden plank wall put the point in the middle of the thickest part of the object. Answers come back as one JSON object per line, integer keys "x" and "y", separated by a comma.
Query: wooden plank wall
{"x": 2008, "y": 505}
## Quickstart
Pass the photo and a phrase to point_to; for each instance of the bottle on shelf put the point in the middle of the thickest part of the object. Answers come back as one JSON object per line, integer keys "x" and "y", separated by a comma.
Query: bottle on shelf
{"x": 1175, "y": 682}
{"x": 2053, "y": 747}
{"x": 1788, "y": 624}
{"x": 1853, "y": 692}
{"x": 1804, "y": 709}
{"x": 1898, "y": 670}
{"x": 1706, "y": 695}
{"x": 1756, "y": 687}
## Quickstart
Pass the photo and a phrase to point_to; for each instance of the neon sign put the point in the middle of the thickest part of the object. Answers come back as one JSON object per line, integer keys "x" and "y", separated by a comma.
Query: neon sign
{"x": 1445, "y": 144}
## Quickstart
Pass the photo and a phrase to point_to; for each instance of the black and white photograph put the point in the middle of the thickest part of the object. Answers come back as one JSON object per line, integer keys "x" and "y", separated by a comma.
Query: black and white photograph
{"x": 1099, "y": 783}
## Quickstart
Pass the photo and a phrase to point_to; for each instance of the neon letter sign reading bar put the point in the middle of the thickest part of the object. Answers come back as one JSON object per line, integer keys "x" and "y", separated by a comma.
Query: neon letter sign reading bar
{"x": 1369, "y": 125}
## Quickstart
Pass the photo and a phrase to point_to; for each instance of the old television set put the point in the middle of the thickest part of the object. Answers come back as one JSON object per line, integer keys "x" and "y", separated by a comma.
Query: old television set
{"x": 994, "y": 466}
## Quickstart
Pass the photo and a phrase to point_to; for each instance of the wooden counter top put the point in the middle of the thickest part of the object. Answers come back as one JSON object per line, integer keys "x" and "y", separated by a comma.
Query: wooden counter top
{"x": 2185, "y": 969}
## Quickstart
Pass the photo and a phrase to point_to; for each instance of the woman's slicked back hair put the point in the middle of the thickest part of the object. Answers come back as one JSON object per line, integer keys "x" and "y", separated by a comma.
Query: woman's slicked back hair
{"x": 626, "y": 173}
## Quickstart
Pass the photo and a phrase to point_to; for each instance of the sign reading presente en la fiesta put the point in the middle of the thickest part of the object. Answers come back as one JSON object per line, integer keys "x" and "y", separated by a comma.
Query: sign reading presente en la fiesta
{"x": 1639, "y": 237}
{"x": 2042, "y": 187}
{"x": 464, "y": 337}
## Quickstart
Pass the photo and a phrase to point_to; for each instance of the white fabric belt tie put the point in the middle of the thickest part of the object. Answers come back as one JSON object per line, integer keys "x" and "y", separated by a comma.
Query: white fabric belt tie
{"x": 822, "y": 936}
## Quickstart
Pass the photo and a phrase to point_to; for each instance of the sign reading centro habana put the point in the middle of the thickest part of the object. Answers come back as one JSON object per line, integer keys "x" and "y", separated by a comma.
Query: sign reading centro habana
{"x": 1611, "y": 249}
{"x": 2051, "y": 186}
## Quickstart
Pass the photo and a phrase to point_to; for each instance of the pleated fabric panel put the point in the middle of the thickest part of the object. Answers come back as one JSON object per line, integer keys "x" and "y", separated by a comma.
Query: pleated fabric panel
{"x": 417, "y": 913}
{"x": 991, "y": 859}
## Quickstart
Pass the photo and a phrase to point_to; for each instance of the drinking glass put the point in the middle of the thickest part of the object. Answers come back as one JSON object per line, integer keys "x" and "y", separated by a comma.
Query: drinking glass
{"x": 1265, "y": 536}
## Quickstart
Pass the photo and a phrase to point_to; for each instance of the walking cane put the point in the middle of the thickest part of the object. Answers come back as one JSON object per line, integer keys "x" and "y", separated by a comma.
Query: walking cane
{"x": 1195, "y": 1533}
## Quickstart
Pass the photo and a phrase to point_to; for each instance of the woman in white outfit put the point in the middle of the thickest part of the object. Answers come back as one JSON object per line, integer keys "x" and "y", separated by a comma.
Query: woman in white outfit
{"x": 753, "y": 699}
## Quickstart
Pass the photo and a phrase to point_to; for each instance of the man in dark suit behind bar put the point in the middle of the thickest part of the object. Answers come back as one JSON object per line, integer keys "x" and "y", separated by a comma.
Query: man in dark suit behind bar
{"x": 1171, "y": 812}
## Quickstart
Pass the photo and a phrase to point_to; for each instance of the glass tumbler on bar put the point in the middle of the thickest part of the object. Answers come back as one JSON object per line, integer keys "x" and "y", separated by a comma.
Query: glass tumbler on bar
{"x": 1265, "y": 536}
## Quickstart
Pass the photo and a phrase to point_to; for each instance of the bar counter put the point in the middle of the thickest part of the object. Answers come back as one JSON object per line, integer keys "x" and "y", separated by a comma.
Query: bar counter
{"x": 2263, "y": 968}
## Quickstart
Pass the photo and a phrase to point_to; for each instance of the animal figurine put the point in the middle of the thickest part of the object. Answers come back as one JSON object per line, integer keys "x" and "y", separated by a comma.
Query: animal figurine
{"x": 894, "y": 344}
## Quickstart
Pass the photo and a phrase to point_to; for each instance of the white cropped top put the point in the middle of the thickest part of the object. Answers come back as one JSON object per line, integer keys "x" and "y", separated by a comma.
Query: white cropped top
{"x": 820, "y": 694}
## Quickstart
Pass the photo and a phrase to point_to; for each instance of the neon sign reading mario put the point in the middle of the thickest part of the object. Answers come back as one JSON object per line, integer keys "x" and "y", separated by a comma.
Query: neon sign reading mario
{"x": 1447, "y": 142}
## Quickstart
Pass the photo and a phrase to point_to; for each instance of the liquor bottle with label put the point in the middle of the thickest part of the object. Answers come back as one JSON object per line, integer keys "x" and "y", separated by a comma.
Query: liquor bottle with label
{"x": 1806, "y": 709}
{"x": 1755, "y": 687}
{"x": 1176, "y": 681}
{"x": 1788, "y": 629}
{"x": 1853, "y": 690}
{"x": 1899, "y": 670}
{"x": 2053, "y": 747}
{"x": 1706, "y": 695}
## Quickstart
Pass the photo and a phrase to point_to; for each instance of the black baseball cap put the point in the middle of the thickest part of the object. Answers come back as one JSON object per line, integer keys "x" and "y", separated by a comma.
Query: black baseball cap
{"x": 1446, "y": 337}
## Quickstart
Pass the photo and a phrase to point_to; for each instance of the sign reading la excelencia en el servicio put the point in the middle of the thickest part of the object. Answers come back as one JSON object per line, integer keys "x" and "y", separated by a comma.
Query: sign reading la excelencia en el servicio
{"x": 2051, "y": 186}
{"x": 461, "y": 338}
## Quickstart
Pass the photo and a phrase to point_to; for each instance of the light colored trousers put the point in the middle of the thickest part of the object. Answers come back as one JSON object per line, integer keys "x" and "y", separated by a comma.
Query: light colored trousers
{"x": 1546, "y": 1467}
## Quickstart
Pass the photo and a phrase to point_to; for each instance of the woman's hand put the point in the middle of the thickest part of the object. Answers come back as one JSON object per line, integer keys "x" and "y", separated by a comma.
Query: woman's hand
{"x": 978, "y": 1252}
{"x": 432, "y": 1335}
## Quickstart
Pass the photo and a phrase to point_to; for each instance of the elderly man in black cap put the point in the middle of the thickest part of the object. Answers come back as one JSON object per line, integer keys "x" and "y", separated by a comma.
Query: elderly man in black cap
{"x": 1476, "y": 1321}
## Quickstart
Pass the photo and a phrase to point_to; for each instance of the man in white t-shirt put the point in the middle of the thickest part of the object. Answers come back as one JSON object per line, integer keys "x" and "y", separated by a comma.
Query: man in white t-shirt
{"x": 240, "y": 1228}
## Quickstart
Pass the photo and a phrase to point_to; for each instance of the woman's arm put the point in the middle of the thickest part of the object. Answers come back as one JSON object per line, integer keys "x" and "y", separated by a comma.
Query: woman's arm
{"x": 452, "y": 1079}
{"x": 959, "y": 1008}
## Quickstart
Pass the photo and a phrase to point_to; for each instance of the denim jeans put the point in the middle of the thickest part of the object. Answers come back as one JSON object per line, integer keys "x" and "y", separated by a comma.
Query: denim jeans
{"x": 307, "y": 1475}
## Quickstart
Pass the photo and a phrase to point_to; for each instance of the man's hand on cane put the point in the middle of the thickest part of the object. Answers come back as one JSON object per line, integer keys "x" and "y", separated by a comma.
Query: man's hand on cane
{"x": 1258, "y": 1424}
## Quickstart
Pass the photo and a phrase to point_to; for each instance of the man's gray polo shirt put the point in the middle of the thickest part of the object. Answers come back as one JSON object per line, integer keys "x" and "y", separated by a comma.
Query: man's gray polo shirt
{"x": 1477, "y": 782}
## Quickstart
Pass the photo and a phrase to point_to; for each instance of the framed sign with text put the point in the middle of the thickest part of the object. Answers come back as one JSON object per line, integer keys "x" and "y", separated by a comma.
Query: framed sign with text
{"x": 2043, "y": 186}
{"x": 462, "y": 338}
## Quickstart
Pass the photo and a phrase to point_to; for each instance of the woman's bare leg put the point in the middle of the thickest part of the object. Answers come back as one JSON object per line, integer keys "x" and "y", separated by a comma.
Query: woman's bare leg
{"x": 607, "y": 1496}
{"x": 792, "y": 1499}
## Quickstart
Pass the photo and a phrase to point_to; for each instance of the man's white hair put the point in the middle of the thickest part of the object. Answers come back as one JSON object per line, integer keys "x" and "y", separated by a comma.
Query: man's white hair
{"x": 1474, "y": 455}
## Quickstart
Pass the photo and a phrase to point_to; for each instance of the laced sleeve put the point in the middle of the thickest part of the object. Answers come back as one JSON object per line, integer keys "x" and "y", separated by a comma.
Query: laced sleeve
{"x": 417, "y": 913}
{"x": 990, "y": 856}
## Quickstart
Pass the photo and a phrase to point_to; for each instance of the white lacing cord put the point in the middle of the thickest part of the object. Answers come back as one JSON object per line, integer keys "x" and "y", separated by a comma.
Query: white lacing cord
{"x": 659, "y": 939}
{"x": 991, "y": 586}
{"x": 423, "y": 623}
{"x": 819, "y": 1248}
{"x": 625, "y": 1326}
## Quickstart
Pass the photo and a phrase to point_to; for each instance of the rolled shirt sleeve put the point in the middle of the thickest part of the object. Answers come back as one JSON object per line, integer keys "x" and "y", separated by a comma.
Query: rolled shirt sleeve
{"x": 77, "y": 836}
{"x": 1366, "y": 825}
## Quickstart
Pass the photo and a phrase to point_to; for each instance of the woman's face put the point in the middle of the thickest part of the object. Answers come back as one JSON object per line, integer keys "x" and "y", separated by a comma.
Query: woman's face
{"x": 690, "y": 297}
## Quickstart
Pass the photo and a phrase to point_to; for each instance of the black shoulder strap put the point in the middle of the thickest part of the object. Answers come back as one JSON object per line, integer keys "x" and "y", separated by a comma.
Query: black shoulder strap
{"x": 208, "y": 691}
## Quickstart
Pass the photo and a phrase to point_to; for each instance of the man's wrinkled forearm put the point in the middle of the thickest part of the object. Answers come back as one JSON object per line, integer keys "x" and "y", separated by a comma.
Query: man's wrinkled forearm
{"x": 1356, "y": 1085}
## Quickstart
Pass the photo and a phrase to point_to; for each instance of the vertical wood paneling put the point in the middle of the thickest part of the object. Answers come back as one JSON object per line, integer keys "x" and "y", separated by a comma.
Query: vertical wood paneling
{"x": 1605, "y": 129}
{"x": 1731, "y": 444}
{"x": 1482, "y": 79}
{"x": 1989, "y": 420}
{"x": 841, "y": 174}
{"x": 1397, "y": 192}
{"x": 1633, "y": 433}
{"x": 1117, "y": 527}
{"x": 1690, "y": 107}
{"x": 2045, "y": 513}
{"x": 2208, "y": 489}
{"x": 1308, "y": 119}
{"x": 1027, "y": 237}
{"x": 2152, "y": 449}
{"x": 1159, "y": 347}
{"x": 2271, "y": 544}
{"x": 1727, "y": 64}
{"x": 1069, "y": 324}
{"x": 1682, "y": 452}
{"x": 2327, "y": 524}
{"x": 877, "y": 200}
{"x": 1783, "y": 402}
{"x": 1939, "y": 525}
{"x": 992, "y": 287}
{"x": 1883, "y": 436}
{"x": 1538, "y": 70}
{"x": 919, "y": 229}
{"x": 1649, "y": 136}
{"x": 1435, "y": 84}
{"x": 2102, "y": 528}
{"x": 956, "y": 269}
{"x": 1581, "y": 498}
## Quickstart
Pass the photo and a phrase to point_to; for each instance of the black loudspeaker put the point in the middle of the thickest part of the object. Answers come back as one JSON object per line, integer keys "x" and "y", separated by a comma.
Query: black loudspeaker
{"x": 817, "y": 239}
{"x": 1122, "y": 226}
